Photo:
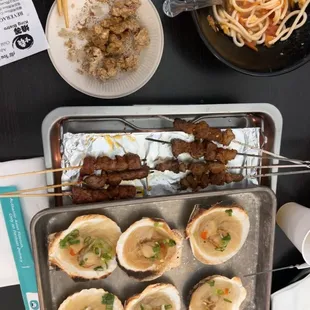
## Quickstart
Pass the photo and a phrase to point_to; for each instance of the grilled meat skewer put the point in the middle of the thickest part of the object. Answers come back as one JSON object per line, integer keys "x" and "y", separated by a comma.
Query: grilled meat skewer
{"x": 202, "y": 130}
{"x": 115, "y": 178}
{"x": 199, "y": 182}
{"x": 83, "y": 195}
{"x": 206, "y": 149}
{"x": 197, "y": 168}
{"x": 120, "y": 163}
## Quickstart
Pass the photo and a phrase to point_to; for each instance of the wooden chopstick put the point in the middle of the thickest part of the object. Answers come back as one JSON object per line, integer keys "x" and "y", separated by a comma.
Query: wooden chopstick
{"x": 40, "y": 172}
{"x": 66, "y": 13}
{"x": 59, "y": 7}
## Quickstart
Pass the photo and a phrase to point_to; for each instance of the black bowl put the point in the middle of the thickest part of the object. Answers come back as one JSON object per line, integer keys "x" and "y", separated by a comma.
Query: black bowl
{"x": 281, "y": 58}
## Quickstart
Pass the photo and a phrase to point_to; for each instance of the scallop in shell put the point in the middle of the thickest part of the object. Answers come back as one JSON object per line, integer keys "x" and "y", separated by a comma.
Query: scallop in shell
{"x": 159, "y": 296}
{"x": 218, "y": 292}
{"x": 218, "y": 233}
{"x": 86, "y": 249}
{"x": 92, "y": 299}
{"x": 148, "y": 248}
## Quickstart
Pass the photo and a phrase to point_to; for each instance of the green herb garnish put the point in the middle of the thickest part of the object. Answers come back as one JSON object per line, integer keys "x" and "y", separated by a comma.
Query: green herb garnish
{"x": 71, "y": 238}
{"x": 211, "y": 283}
{"x": 141, "y": 307}
{"x": 156, "y": 250}
{"x": 219, "y": 292}
{"x": 167, "y": 307}
{"x": 227, "y": 300}
{"x": 158, "y": 224}
{"x": 224, "y": 243}
{"x": 82, "y": 262}
{"x": 108, "y": 300}
{"x": 169, "y": 242}
{"x": 98, "y": 268}
{"x": 229, "y": 212}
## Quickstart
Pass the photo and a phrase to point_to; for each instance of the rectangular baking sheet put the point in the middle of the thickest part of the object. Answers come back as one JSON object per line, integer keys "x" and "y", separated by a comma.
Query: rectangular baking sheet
{"x": 256, "y": 254}
{"x": 135, "y": 119}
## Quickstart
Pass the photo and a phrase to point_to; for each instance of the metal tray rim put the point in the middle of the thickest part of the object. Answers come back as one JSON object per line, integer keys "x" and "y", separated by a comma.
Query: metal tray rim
{"x": 46, "y": 211}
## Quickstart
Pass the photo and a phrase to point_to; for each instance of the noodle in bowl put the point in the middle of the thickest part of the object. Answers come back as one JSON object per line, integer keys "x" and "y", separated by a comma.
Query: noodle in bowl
{"x": 256, "y": 22}
{"x": 257, "y": 37}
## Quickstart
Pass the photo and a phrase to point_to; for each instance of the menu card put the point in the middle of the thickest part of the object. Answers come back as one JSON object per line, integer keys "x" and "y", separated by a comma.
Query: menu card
{"x": 21, "y": 33}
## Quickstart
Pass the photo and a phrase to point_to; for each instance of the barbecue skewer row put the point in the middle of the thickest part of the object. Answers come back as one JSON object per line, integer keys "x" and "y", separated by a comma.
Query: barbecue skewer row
{"x": 198, "y": 168}
{"x": 202, "y": 130}
{"x": 198, "y": 149}
{"x": 115, "y": 178}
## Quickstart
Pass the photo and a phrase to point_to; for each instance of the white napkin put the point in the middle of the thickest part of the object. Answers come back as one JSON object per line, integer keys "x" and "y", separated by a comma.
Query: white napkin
{"x": 294, "y": 296}
{"x": 30, "y": 207}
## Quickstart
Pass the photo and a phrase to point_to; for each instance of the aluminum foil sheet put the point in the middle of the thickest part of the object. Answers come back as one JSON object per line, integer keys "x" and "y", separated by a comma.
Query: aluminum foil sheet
{"x": 75, "y": 147}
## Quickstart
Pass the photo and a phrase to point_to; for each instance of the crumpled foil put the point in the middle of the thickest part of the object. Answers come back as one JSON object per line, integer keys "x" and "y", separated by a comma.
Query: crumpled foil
{"x": 75, "y": 147}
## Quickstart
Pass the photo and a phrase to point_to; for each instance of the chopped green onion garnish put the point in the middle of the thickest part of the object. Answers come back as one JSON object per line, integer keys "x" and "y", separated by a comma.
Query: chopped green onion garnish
{"x": 158, "y": 224}
{"x": 98, "y": 268}
{"x": 169, "y": 242}
{"x": 211, "y": 283}
{"x": 82, "y": 262}
{"x": 167, "y": 307}
{"x": 227, "y": 300}
{"x": 77, "y": 241}
{"x": 71, "y": 238}
{"x": 229, "y": 212}
{"x": 141, "y": 307}
{"x": 219, "y": 292}
{"x": 108, "y": 300}
{"x": 224, "y": 243}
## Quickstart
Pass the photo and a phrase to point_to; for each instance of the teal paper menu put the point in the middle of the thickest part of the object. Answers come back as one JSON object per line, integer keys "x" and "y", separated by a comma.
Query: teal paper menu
{"x": 21, "y": 249}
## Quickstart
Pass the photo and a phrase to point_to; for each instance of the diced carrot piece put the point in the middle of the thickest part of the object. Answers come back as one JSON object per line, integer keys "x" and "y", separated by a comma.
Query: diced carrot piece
{"x": 251, "y": 45}
{"x": 204, "y": 235}
{"x": 72, "y": 253}
{"x": 226, "y": 291}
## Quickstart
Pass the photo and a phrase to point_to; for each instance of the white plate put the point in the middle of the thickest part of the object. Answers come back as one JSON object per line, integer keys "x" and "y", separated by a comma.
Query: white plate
{"x": 127, "y": 83}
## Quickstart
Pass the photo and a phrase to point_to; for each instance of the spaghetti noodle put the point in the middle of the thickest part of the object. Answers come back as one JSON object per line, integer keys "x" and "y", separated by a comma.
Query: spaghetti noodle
{"x": 256, "y": 22}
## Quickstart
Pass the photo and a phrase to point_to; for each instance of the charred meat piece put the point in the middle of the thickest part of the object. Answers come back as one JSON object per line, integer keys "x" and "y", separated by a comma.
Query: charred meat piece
{"x": 195, "y": 182}
{"x": 198, "y": 169}
{"x": 224, "y": 155}
{"x": 210, "y": 150}
{"x": 179, "y": 146}
{"x": 202, "y": 130}
{"x": 88, "y": 166}
{"x": 216, "y": 167}
{"x": 232, "y": 177}
{"x": 217, "y": 179}
{"x": 115, "y": 178}
{"x": 96, "y": 181}
{"x": 182, "y": 125}
{"x": 82, "y": 195}
{"x": 133, "y": 160}
{"x": 172, "y": 165}
{"x": 228, "y": 136}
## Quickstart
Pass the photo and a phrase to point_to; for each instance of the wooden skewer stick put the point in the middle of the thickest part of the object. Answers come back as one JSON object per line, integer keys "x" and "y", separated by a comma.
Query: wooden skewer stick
{"x": 34, "y": 195}
{"x": 267, "y": 167}
{"x": 59, "y": 7}
{"x": 35, "y": 189}
{"x": 40, "y": 172}
{"x": 272, "y": 174}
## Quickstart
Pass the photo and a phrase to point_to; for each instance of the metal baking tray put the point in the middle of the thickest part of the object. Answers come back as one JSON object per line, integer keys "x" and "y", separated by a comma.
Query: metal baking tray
{"x": 256, "y": 254}
{"x": 146, "y": 119}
